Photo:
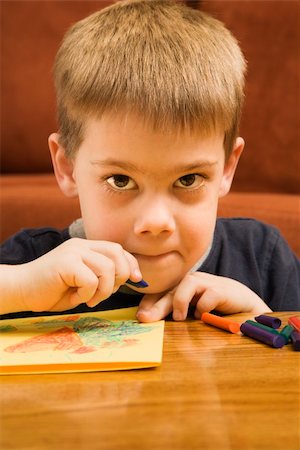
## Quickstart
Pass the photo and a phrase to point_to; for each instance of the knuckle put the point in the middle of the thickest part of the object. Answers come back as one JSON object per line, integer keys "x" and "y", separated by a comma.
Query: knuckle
{"x": 123, "y": 274}
{"x": 103, "y": 292}
{"x": 109, "y": 266}
{"x": 74, "y": 241}
{"x": 179, "y": 301}
{"x": 194, "y": 276}
{"x": 117, "y": 247}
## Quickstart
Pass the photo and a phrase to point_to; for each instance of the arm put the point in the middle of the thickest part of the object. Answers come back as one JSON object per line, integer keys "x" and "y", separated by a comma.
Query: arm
{"x": 77, "y": 271}
{"x": 204, "y": 291}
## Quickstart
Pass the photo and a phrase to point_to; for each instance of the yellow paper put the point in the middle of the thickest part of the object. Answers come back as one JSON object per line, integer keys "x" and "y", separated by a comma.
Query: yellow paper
{"x": 107, "y": 340}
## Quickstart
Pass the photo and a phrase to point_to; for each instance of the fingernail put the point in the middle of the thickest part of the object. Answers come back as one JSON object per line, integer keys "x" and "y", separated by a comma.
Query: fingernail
{"x": 177, "y": 315}
{"x": 137, "y": 273}
{"x": 144, "y": 316}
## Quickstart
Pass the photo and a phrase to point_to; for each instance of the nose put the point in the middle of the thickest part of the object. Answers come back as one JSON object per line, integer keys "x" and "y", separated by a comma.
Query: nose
{"x": 154, "y": 218}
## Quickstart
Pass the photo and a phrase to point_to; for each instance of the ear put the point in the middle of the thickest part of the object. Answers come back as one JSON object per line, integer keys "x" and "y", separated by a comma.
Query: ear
{"x": 230, "y": 167}
{"x": 63, "y": 167}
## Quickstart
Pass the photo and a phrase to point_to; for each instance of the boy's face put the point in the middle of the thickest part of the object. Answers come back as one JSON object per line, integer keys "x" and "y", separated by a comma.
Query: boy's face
{"x": 154, "y": 193}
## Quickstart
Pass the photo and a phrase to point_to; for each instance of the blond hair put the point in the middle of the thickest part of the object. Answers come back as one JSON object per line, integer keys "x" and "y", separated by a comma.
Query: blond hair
{"x": 174, "y": 66}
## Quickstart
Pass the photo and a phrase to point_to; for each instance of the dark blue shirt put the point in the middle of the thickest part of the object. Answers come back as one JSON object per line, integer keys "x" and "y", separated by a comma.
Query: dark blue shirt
{"x": 243, "y": 249}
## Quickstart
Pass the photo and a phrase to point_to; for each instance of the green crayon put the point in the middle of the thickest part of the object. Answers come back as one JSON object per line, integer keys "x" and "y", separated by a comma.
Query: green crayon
{"x": 286, "y": 332}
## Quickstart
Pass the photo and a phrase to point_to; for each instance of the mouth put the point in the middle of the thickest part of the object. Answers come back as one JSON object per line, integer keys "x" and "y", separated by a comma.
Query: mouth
{"x": 162, "y": 271}
{"x": 160, "y": 257}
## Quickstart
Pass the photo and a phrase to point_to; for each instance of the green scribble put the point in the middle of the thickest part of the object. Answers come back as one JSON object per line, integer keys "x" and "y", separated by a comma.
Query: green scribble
{"x": 7, "y": 328}
{"x": 53, "y": 323}
{"x": 92, "y": 331}
{"x": 95, "y": 331}
{"x": 39, "y": 325}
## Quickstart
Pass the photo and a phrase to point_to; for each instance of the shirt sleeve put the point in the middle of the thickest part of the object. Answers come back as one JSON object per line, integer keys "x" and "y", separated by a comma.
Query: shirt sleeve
{"x": 257, "y": 255}
{"x": 282, "y": 277}
{"x": 29, "y": 244}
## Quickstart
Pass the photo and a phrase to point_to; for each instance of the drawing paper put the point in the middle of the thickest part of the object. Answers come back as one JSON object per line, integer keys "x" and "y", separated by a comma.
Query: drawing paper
{"x": 96, "y": 341}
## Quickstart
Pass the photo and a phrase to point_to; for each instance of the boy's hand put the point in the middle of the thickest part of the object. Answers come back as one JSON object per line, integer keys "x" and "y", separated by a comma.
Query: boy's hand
{"x": 77, "y": 271}
{"x": 206, "y": 292}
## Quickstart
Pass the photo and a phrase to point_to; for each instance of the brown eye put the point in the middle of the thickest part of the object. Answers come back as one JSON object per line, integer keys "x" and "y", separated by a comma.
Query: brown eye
{"x": 121, "y": 182}
{"x": 188, "y": 180}
{"x": 192, "y": 180}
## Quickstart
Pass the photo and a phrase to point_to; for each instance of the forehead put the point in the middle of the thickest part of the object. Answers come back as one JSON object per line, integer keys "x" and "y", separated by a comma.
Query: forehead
{"x": 128, "y": 139}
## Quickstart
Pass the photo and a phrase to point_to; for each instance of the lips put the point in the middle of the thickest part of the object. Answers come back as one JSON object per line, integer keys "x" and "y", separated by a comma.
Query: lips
{"x": 154, "y": 257}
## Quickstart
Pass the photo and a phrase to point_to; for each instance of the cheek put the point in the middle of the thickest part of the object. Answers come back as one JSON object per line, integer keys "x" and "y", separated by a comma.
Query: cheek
{"x": 199, "y": 236}
{"x": 102, "y": 221}
{"x": 198, "y": 227}
{"x": 106, "y": 228}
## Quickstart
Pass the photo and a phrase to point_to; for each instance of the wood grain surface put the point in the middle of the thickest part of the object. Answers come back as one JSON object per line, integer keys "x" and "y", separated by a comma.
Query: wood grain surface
{"x": 214, "y": 390}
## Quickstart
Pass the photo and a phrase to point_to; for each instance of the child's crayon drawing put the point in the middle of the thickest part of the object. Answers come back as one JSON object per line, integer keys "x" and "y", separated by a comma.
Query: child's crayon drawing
{"x": 107, "y": 340}
{"x": 78, "y": 334}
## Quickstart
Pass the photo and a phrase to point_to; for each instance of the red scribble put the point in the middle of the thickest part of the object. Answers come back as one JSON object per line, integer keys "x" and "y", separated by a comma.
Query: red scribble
{"x": 84, "y": 349}
{"x": 109, "y": 344}
{"x": 71, "y": 318}
{"x": 62, "y": 339}
{"x": 129, "y": 342}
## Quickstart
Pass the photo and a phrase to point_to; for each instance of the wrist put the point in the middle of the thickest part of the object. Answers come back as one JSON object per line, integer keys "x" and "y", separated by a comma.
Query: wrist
{"x": 14, "y": 288}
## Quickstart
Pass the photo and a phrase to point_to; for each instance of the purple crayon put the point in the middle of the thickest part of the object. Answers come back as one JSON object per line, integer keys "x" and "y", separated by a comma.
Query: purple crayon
{"x": 275, "y": 340}
{"x": 295, "y": 338}
{"x": 269, "y": 321}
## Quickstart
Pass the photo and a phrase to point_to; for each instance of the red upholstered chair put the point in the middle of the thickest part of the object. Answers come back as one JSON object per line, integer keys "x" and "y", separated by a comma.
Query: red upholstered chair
{"x": 267, "y": 184}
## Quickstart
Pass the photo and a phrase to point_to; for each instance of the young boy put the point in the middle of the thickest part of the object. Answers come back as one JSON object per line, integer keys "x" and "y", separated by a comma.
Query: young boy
{"x": 149, "y": 97}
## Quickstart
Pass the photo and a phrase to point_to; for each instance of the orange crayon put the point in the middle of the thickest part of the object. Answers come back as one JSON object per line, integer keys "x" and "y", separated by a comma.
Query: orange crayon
{"x": 220, "y": 322}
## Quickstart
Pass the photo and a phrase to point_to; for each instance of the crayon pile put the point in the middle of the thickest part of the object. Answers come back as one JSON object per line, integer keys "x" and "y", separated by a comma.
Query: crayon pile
{"x": 264, "y": 329}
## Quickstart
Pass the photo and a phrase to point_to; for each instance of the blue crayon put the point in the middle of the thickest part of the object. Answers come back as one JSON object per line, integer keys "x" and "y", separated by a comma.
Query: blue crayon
{"x": 270, "y": 321}
{"x": 138, "y": 284}
{"x": 262, "y": 335}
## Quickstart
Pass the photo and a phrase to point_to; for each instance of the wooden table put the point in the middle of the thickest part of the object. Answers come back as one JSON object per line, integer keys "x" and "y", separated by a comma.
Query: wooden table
{"x": 214, "y": 390}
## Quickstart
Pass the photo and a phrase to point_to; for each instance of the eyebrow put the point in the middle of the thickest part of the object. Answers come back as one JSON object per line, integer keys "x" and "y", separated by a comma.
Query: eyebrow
{"x": 111, "y": 162}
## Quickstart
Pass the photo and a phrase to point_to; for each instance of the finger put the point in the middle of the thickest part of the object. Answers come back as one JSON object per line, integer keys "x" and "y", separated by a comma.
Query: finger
{"x": 210, "y": 300}
{"x": 105, "y": 271}
{"x": 85, "y": 283}
{"x": 135, "y": 273}
{"x": 126, "y": 264}
{"x": 154, "y": 307}
{"x": 241, "y": 299}
{"x": 148, "y": 301}
{"x": 188, "y": 290}
{"x": 66, "y": 302}
{"x": 93, "y": 277}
